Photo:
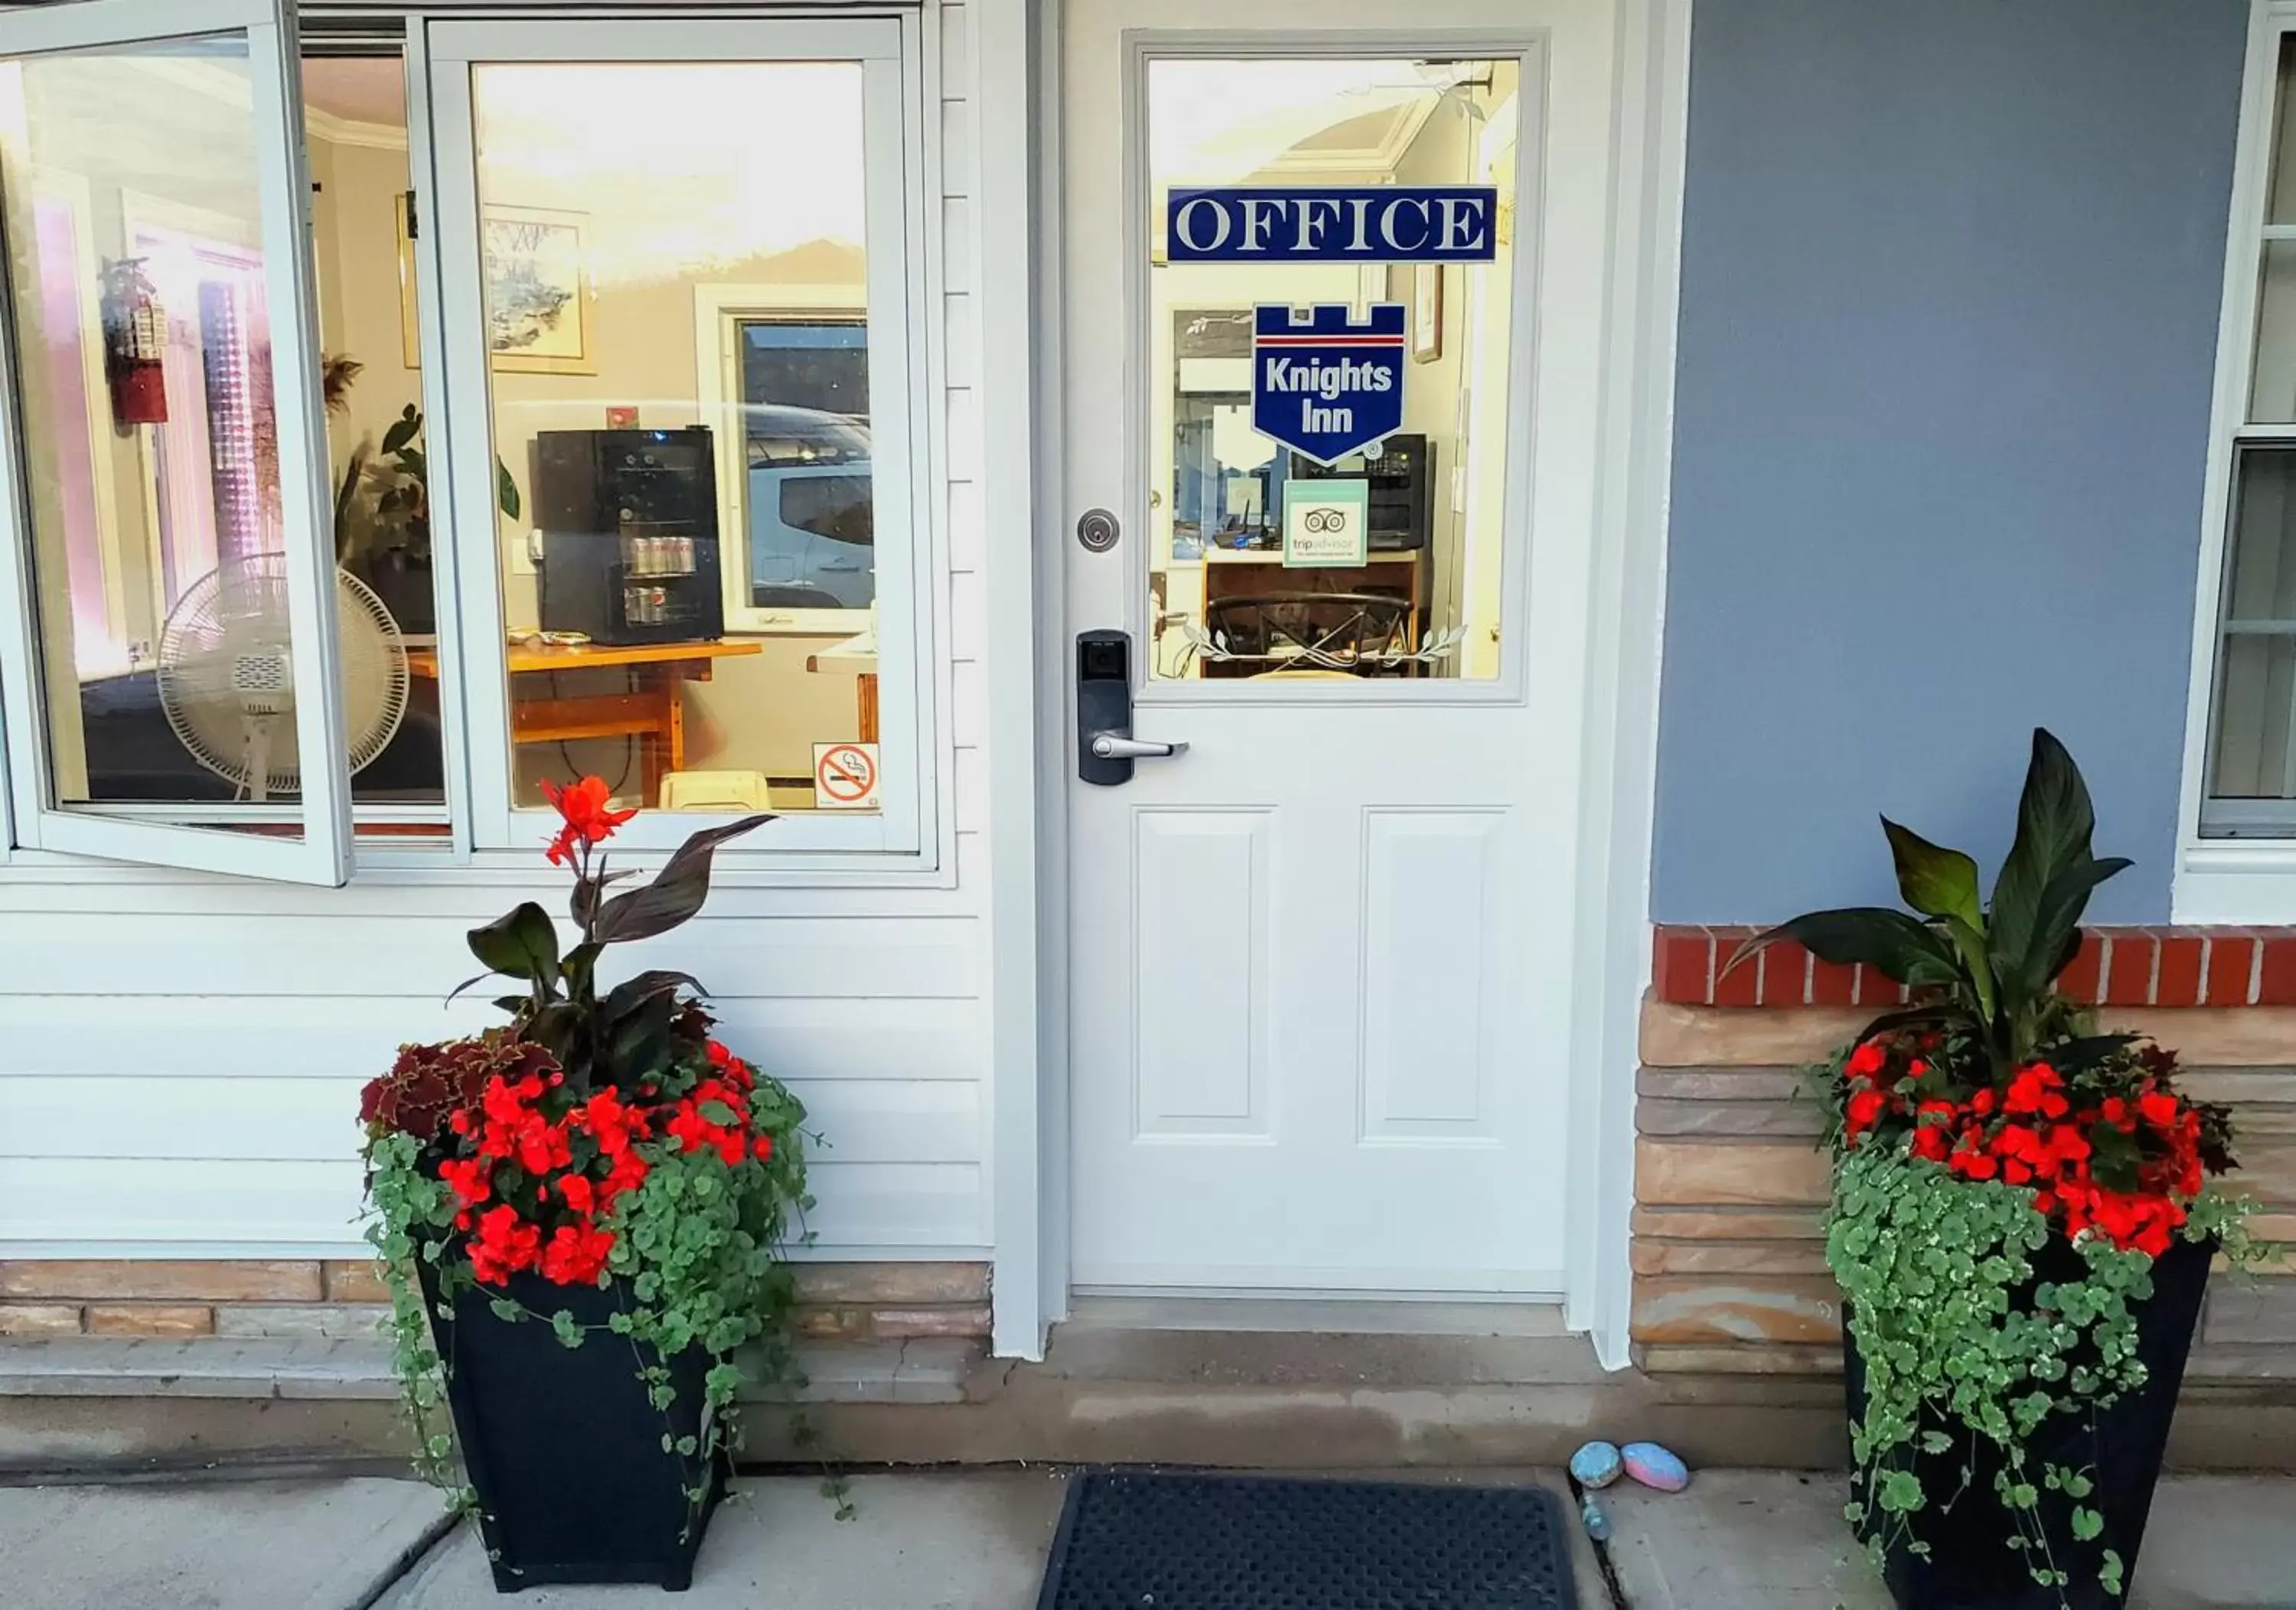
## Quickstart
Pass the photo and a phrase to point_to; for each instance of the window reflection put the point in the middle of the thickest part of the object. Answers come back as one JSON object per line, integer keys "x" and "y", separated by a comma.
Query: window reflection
{"x": 1425, "y": 600}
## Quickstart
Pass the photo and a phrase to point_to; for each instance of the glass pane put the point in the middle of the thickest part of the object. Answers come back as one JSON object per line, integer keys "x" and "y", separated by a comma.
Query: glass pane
{"x": 677, "y": 303}
{"x": 1235, "y": 590}
{"x": 355, "y": 133}
{"x": 2280, "y": 185}
{"x": 151, "y": 424}
{"x": 2272, "y": 389}
{"x": 2256, "y": 676}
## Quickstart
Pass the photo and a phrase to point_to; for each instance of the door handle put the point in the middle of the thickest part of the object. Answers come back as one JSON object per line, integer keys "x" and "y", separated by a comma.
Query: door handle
{"x": 1120, "y": 745}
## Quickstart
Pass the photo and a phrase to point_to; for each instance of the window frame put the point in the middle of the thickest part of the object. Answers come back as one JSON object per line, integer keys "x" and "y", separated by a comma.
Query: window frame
{"x": 904, "y": 835}
{"x": 718, "y": 312}
{"x": 323, "y": 854}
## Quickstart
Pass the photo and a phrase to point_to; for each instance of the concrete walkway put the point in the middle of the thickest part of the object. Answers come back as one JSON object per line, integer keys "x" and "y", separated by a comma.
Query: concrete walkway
{"x": 976, "y": 1540}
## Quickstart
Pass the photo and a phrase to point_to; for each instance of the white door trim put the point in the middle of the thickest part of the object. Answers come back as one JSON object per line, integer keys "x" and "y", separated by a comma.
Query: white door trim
{"x": 1022, "y": 403}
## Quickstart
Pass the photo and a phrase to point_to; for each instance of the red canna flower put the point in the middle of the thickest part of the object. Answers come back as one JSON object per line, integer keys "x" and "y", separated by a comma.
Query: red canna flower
{"x": 588, "y": 810}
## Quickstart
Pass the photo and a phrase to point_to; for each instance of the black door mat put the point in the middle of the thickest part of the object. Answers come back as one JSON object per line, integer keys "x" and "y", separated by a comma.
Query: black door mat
{"x": 1151, "y": 1540}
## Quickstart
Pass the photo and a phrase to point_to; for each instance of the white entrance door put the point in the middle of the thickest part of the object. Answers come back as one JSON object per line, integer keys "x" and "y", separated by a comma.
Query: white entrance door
{"x": 1320, "y": 982}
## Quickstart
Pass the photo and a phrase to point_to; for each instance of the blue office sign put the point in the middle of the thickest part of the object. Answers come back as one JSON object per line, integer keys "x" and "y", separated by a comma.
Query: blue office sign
{"x": 1323, "y": 382}
{"x": 1333, "y": 223}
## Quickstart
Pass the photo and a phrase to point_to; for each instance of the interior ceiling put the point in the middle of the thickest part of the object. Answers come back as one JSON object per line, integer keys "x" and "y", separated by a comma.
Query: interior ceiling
{"x": 357, "y": 89}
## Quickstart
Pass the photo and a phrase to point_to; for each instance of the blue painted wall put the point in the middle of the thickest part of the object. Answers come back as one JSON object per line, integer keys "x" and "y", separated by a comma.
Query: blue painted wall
{"x": 1951, "y": 271}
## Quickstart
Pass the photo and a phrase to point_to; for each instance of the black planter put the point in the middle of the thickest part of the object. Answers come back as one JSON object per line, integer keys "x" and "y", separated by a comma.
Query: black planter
{"x": 564, "y": 1446}
{"x": 1971, "y": 1566}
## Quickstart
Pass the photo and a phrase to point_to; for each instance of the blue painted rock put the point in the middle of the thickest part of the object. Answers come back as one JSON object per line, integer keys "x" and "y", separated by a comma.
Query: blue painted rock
{"x": 1654, "y": 1467}
{"x": 1595, "y": 1464}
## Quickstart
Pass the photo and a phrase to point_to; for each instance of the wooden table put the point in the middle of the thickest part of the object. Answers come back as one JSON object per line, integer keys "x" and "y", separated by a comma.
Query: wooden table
{"x": 858, "y": 656}
{"x": 651, "y": 709}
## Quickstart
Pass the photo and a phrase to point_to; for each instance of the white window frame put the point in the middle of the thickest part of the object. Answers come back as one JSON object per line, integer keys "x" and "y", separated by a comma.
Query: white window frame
{"x": 889, "y": 48}
{"x": 164, "y": 835}
{"x": 718, "y": 312}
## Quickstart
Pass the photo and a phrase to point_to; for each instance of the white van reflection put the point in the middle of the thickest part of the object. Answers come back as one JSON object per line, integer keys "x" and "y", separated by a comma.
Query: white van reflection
{"x": 811, "y": 520}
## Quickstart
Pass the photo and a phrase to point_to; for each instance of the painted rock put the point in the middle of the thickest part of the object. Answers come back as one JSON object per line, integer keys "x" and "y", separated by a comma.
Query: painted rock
{"x": 1654, "y": 1466}
{"x": 1595, "y": 1464}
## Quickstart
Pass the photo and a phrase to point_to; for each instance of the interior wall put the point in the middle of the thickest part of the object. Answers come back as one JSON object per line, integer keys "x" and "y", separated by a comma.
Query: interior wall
{"x": 1950, "y": 284}
{"x": 762, "y": 713}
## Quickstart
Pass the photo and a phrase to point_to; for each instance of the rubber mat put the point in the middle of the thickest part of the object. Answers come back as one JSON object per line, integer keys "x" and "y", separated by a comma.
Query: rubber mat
{"x": 1157, "y": 1540}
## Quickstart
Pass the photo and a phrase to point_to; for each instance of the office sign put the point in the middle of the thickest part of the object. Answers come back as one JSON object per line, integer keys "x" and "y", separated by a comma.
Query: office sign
{"x": 1333, "y": 223}
{"x": 1325, "y": 383}
{"x": 1326, "y": 523}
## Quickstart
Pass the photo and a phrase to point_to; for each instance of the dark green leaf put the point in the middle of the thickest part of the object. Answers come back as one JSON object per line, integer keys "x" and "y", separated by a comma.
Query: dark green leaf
{"x": 1901, "y": 948}
{"x": 676, "y": 892}
{"x": 632, "y": 993}
{"x": 521, "y": 944}
{"x": 466, "y": 984}
{"x": 2055, "y": 935}
{"x": 402, "y": 429}
{"x": 505, "y": 490}
{"x": 2055, "y": 822}
{"x": 1936, "y": 881}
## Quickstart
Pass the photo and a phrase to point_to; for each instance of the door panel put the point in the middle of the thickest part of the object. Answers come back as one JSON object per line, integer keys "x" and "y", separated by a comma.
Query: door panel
{"x": 1316, "y": 1031}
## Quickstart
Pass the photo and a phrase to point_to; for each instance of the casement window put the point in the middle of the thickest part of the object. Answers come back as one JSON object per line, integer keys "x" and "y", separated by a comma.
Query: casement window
{"x": 397, "y": 421}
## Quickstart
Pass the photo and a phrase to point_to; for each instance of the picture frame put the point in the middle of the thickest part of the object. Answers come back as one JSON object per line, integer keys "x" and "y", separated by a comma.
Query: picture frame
{"x": 1426, "y": 312}
{"x": 534, "y": 268}
{"x": 410, "y": 320}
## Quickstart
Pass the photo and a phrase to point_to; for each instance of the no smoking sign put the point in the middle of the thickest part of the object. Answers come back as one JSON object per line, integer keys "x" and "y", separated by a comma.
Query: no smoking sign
{"x": 845, "y": 777}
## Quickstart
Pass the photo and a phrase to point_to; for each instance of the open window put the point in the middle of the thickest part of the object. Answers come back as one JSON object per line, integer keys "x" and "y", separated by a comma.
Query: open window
{"x": 171, "y": 650}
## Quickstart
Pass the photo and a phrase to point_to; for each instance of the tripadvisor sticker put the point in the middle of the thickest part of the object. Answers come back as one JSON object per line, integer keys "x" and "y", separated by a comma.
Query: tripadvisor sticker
{"x": 1324, "y": 524}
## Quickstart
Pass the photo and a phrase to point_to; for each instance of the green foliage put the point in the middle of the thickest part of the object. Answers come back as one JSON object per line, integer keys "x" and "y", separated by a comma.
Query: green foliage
{"x": 1982, "y": 975}
{"x": 1961, "y": 1347}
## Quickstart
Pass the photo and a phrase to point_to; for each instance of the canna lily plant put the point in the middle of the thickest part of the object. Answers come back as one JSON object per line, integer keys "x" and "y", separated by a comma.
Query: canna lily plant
{"x": 600, "y": 1163}
{"x": 2006, "y": 1180}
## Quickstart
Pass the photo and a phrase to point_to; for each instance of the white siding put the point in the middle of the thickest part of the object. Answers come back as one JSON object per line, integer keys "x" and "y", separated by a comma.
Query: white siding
{"x": 180, "y": 1056}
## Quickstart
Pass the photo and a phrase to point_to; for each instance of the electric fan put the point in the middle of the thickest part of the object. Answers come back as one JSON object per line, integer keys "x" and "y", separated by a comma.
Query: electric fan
{"x": 227, "y": 673}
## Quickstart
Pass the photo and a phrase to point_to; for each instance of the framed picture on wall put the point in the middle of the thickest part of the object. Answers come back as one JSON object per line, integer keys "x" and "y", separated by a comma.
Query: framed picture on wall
{"x": 1427, "y": 311}
{"x": 410, "y": 333}
{"x": 538, "y": 290}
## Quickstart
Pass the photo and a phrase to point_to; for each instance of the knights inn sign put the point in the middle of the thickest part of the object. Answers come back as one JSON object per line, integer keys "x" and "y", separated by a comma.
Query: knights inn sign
{"x": 1323, "y": 383}
{"x": 1333, "y": 223}
{"x": 1326, "y": 382}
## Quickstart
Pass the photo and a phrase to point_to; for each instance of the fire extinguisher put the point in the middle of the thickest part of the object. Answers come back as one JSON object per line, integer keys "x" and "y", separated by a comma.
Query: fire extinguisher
{"x": 135, "y": 341}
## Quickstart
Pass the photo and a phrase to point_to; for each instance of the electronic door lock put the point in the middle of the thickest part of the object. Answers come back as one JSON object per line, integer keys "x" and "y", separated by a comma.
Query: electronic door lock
{"x": 1106, "y": 746}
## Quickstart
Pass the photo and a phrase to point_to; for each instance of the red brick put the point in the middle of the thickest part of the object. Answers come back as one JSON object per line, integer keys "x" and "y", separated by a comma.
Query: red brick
{"x": 2128, "y": 968}
{"x": 2277, "y": 987}
{"x": 1834, "y": 984}
{"x": 1681, "y": 965}
{"x": 2081, "y": 979}
{"x": 1742, "y": 985}
{"x": 2177, "y": 981}
{"x": 2231, "y": 963}
{"x": 1876, "y": 988}
{"x": 1786, "y": 969}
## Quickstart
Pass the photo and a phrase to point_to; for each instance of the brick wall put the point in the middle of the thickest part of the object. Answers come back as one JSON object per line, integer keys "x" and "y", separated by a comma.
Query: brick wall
{"x": 238, "y": 1299}
{"x": 1730, "y": 1272}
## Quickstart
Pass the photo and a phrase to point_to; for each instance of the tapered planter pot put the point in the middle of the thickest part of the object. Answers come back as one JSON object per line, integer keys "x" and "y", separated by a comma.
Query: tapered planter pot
{"x": 1971, "y": 1566}
{"x": 563, "y": 1445}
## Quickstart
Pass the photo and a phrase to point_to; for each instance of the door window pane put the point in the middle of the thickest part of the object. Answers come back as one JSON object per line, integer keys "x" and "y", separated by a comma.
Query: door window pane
{"x": 1232, "y": 592}
{"x": 676, "y": 301}
{"x": 151, "y": 417}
